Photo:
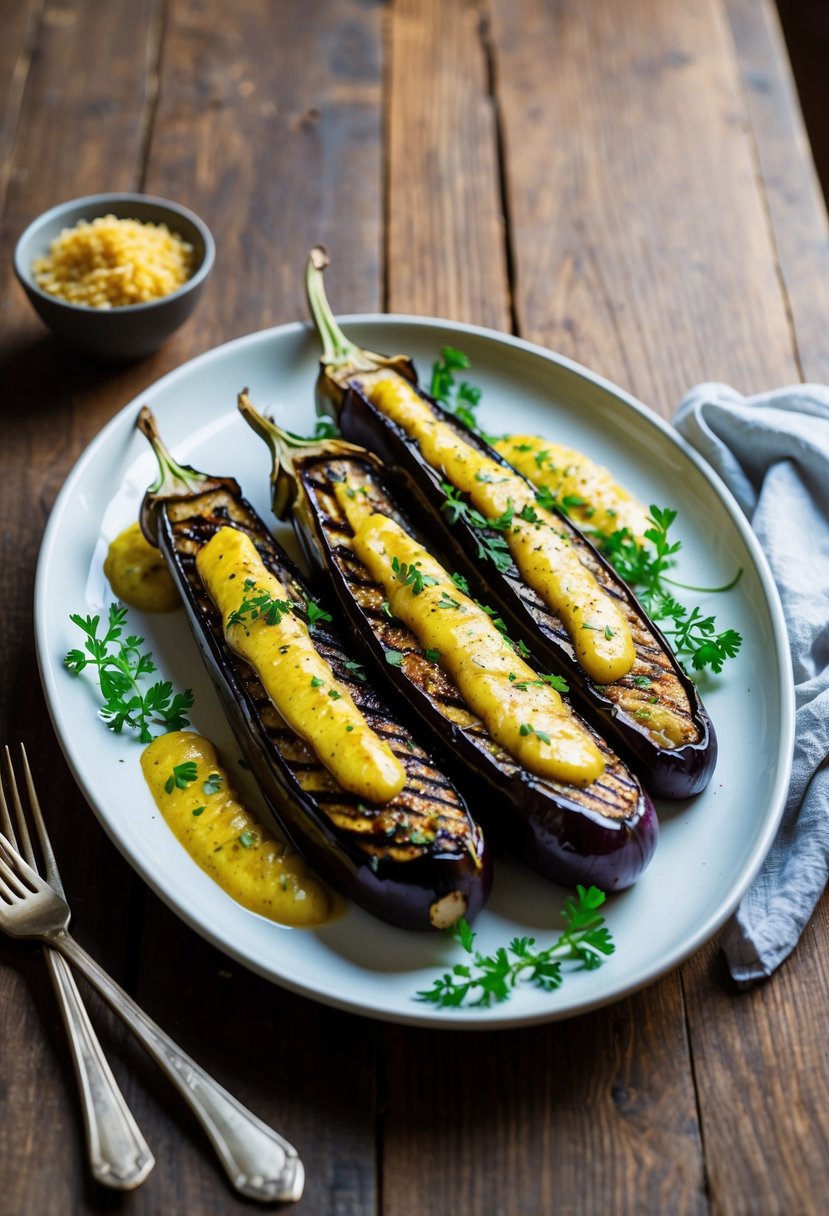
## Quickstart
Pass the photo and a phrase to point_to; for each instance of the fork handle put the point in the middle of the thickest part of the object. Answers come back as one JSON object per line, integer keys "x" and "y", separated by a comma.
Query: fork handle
{"x": 118, "y": 1153}
{"x": 257, "y": 1160}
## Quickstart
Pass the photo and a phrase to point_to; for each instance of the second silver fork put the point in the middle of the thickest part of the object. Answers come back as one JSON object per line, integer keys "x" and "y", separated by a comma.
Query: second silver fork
{"x": 119, "y": 1156}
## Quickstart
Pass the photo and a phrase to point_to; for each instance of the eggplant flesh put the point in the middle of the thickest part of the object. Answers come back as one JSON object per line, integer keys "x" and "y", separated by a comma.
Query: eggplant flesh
{"x": 418, "y": 861}
{"x": 604, "y": 833}
{"x": 668, "y": 772}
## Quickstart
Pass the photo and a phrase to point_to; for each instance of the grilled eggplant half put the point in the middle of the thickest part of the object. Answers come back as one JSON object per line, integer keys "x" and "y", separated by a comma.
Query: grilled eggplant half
{"x": 651, "y": 712}
{"x": 417, "y": 860}
{"x": 603, "y": 831}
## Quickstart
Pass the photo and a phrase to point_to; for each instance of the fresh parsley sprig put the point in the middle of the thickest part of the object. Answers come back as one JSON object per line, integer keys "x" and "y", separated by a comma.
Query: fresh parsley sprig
{"x": 410, "y": 575}
{"x": 491, "y": 978}
{"x": 256, "y": 604}
{"x": 120, "y": 665}
{"x": 459, "y": 398}
{"x": 692, "y": 635}
{"x": 493, "y": 548}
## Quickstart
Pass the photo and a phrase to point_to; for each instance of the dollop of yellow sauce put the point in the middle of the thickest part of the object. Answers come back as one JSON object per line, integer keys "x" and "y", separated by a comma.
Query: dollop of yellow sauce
{"x": 521, "y": 711}
{"x": 594, "y": 499}
{"x": 138, "y": 573}
{"x": 540, "y": 548}
{"x": 201, "y": 807}
{"x": 298, "y": 680}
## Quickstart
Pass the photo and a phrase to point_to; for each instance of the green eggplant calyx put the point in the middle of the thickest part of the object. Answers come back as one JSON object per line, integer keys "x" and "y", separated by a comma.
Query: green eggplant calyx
{"x": 341, "y": 358}
{"x": 174, "y": 480}
{"x": 285, "y": 448}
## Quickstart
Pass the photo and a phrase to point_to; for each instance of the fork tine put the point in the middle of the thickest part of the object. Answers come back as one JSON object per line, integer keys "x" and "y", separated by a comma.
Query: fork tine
{"x": 5, "y": 818}
{"x": 11, "y": 882}
{"x": 24, "y": 840}
{"x": 50, "y": 864}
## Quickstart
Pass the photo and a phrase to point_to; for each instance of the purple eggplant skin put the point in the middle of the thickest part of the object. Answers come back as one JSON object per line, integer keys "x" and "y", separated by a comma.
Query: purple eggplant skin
{"x": 447, "y": 877}
{"x": 667, "y": 772}
{"x": 605, "y": 834}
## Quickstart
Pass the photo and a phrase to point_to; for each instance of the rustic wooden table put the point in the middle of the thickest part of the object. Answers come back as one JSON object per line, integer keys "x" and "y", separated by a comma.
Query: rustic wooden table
{"x": 628, "y": 184}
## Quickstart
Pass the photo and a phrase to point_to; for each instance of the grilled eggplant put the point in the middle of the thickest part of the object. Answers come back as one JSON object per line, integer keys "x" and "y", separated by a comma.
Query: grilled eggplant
{"x": 651, "y": 713}
{"x": 604, "y": 832}
{"x": 417, "y": 860}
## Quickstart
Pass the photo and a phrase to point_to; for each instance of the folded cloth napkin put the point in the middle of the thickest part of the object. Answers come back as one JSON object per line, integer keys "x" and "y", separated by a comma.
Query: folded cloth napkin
{"x": 772, "y": 451}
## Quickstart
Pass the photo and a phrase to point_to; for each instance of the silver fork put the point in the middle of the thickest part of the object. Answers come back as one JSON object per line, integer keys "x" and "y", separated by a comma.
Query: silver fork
{"x": 118, "y": 1153}
{"x": 257, "y": 1160}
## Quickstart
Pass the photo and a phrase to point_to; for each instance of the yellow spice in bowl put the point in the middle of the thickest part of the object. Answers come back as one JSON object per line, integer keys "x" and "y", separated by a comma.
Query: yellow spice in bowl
{"x": 109, "y": 263}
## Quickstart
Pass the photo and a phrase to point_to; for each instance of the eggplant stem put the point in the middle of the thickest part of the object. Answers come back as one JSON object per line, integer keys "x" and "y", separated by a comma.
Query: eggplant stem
{"x": 338, "y": 351}
{"x": 284, "y": 446}
{"x": 173, "y": 478}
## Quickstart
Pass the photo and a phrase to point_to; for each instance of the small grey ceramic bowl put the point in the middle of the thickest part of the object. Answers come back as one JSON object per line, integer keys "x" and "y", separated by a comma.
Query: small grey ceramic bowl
{"x": 134, "y": 330}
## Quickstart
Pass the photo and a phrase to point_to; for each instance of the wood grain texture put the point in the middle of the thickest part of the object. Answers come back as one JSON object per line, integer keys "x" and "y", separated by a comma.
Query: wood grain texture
{"x": 269, "y": 125}
{"x": 762, "y": 1075}
{"x": 73, "y": 125}
{"x": 796, "y": 206}
{"x": 663, "y": 222}
{"x": 594, "y": 1115}
{"x": 640, "y": 235}
{"x": 619, "y": 1082}
{"x": 446, "y": 238}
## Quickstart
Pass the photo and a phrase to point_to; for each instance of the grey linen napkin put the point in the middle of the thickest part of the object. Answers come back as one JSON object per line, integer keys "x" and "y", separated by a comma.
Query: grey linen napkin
{"x": 772, "y": 451}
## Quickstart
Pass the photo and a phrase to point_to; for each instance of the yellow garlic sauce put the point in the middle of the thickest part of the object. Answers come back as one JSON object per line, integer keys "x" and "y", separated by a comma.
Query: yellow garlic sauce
{"x": 138, "y": 573}
{"x": 226, "y": 840}
{"x": 298, "y": 680}
{"x": 543, "y": 553}
{"x": 596, "y": 500}
{"x": 521, "y": 712}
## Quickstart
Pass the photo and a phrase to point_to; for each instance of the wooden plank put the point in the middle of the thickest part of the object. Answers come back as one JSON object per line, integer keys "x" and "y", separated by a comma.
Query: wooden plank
{"x": 762, "y": 1075}
{"x": 513, "y": 1123}
{"x": 673, "y": 126}
{"x": 274, "y": 140}
{"x": 641, "y": 238}
{"x": 595, "y": 1115}
{"x": 73, "y": 125}
{"x": 446, "y": 249}
{"x": 797, "y": 210}
{"x": 269, "y": 125}
{"x": 19, "y": 21}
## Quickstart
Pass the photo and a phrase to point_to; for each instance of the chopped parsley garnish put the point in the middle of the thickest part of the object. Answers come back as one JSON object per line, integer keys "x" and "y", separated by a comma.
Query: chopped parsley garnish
{"x": 247, "y": 839}
{"x": 334, "y": 695}
{"x": 411, "y": 576}
{"x": 213, "y": 783}
{"x": 314, "y": 613}
{"x": 526, "y": 728}
{"x": 488, "y": 979}
{"x": 432, "y": 655}
{"x": 316, "y": 682}
{"x": 262, "y": 604}
{"x": 181, "y": 776}
{"x": 493, "y": 548}
{"x": 394, "y": 658}
{"x": 461, "y": 583}
{"x": 356, "y": 670}
{"x": 645, "y": 567}
{"x": 446, "y": 601}
{"x": 197, "y": 810}
{"x": 120, "y": 665}
{"x": 460, "y": 399}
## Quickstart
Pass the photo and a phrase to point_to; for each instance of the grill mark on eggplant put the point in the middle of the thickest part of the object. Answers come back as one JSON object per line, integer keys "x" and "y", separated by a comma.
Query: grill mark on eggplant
{"x": 615, "y": 795}
{"x": 623, "y": 697}
{"x": 192, "y": 523}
